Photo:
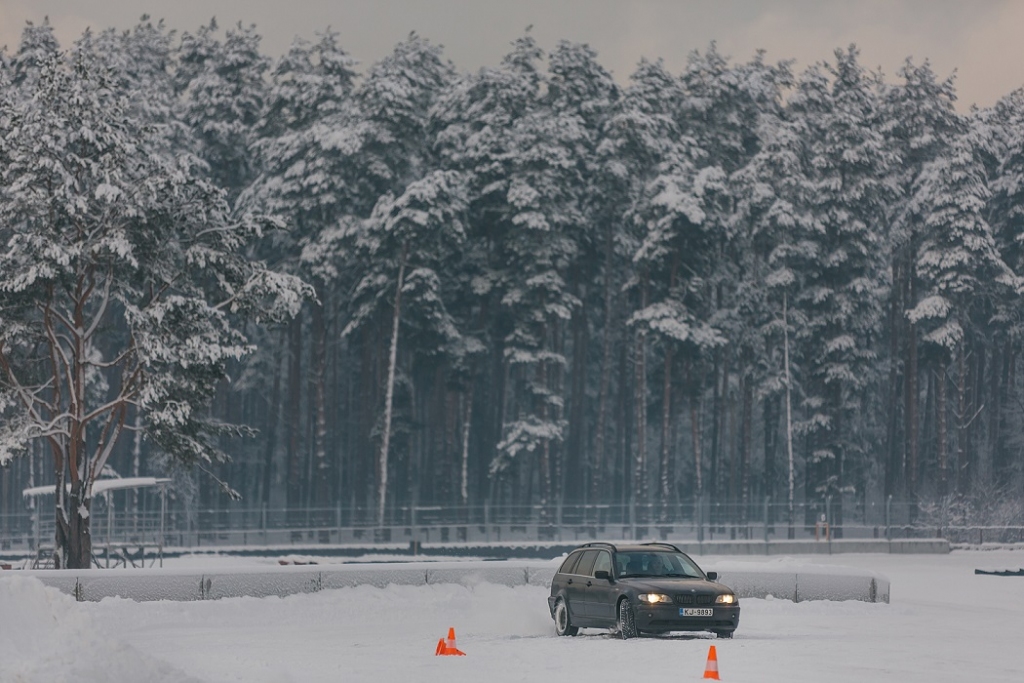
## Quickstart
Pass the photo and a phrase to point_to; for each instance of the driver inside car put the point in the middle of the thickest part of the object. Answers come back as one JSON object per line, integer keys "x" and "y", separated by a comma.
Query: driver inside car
{"x": 656, "y": 566}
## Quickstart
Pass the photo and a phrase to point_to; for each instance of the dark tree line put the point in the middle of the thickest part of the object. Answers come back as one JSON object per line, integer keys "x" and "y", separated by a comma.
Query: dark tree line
{"x": 536, "y": 285}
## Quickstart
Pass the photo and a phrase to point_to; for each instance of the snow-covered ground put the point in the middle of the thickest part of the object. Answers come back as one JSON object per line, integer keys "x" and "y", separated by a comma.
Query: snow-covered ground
{"x": 944, "y": 624}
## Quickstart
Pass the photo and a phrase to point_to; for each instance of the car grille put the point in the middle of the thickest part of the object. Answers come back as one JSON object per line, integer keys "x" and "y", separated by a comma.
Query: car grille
{"x": 693, "y": 599}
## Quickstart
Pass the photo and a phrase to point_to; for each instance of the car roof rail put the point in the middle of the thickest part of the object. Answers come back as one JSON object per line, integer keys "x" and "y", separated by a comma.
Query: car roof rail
{"x": 664, "y": 545}
{"x": 601, "y": 544}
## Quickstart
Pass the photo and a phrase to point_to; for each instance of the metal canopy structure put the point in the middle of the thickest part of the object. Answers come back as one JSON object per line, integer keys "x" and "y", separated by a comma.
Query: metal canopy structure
{"x": 107, "y": 487}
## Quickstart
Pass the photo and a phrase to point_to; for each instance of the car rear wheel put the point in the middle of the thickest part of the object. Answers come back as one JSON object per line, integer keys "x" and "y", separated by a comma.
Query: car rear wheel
{"x": 627, "y": 624}
{"x": 563, "y": 626}
{"x": 723, "y": 634}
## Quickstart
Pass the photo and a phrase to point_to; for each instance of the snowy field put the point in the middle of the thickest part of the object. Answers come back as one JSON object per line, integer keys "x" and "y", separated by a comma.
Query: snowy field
{"x": 944, "y": 623}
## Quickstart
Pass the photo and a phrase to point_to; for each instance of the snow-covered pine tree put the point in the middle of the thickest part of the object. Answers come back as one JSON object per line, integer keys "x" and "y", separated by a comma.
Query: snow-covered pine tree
{"x": 960, "y": 269}
{"x": 846, "y": 278}
{"x": 476, "y": 121}
{"x": 38, "y": 45}
{"x": 307, "y": 156}
{"x": 121, "y": 281}
{"x": 773, "y": 204}
{"x": 405, "y": 242}
{"x": 918, "y": 120}
{"x": 675, "y": 256}
{"x": 225, "y": 91}
{"x": 721, "y": 111}
{"x": 398, "y": 260}
{"x": 999, "y": 144}
{"x": 581, "y": 90}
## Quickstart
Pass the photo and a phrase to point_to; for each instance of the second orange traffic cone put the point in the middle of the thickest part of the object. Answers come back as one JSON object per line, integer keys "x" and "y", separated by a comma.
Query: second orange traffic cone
{"x": 447, "y": 647}
{"x": 711, "y": 668}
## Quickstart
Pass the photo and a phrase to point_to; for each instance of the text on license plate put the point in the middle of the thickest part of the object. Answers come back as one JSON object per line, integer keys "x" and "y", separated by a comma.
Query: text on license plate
{"x": 696, "y": 612}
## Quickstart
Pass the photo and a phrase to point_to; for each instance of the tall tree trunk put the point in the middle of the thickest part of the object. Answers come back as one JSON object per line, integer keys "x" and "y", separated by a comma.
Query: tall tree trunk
{"x": 962, "y": 478}
{"x": 1000, "y": 376}
{"x": 273, "y": 418}
{"x": 911, "y": 411}
{"x": 640, "y": 406}
{"x": 771, "y": 447}
{"x": 624, "y": 432}
{"x": 6, "y": 512}
{"x": 467, "y": 421}
{"x": 789, "y": 414}
{"x": 574, "y": 460}
{"x": 975, "y": 433}
{"x": 294, "y": 422}
{"x": 389, "y": 394}
{"x": 544, "y": 460}
{"x": 597, "y": 467}
{"x": 940, "y": 410}
{"x": 894, "y": 459}
{"x": 696, "y": 434}
{"x": 321, "y": 467}
{"x": 746, "y": 430}
{"x": 665, "y": 469}
{"x": 136, "y": 469}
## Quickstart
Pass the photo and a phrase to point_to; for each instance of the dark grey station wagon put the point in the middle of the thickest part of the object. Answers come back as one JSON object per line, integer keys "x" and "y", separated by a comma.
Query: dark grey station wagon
{"x": 639, "y": 588}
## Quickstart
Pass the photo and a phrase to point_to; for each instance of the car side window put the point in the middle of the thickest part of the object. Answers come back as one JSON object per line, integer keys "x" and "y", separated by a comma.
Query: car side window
{"x": 586, "y": 565}
{"x": 604, "y": 561}
{"x": 570, "y": 563}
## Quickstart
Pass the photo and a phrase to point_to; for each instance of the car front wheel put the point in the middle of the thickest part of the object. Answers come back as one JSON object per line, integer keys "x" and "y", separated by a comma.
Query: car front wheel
{"x": 627, "y": 624}
{"x": 563, "y": 626}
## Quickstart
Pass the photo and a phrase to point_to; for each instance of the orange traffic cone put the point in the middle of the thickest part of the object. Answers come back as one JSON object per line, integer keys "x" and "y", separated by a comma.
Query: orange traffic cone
{"x": 711, "y": 668}
{"x": 447, "y": 647}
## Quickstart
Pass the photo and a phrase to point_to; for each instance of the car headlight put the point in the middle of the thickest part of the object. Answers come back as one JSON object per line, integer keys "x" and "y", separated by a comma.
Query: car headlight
{"x": 725, "y": 600}
{"x": 654, "y": 598}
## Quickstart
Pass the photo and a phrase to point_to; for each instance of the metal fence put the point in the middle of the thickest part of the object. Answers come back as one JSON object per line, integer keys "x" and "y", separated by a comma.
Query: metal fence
{"x": 161, "y": 526}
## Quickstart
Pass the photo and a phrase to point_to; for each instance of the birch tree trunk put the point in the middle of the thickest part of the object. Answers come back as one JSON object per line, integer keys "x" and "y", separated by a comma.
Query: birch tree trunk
{"x": 389, "y": 394}
{"x": 467, "y": 417}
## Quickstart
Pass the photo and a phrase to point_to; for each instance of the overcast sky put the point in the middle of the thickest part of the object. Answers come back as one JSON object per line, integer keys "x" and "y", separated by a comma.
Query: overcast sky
{"x": 980, "y": 39}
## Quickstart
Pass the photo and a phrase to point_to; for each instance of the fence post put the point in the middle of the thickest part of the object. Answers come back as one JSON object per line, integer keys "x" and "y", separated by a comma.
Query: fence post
{"x": 558, "y": 517}
{"x": 828, "y": 522}
{"x": 263, "y": 521}
{"x": 632, "y": 518}
{"x": 766, "y": 501}
{"x": 888, "y": 518}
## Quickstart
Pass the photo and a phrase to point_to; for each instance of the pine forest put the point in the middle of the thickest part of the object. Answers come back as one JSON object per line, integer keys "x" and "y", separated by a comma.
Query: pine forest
{"x": 371, "y": 291}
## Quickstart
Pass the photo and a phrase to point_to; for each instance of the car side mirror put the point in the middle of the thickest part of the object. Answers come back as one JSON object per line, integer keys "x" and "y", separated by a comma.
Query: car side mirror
{"x": 602, "y": 574}
{"x": 712, "y": 576}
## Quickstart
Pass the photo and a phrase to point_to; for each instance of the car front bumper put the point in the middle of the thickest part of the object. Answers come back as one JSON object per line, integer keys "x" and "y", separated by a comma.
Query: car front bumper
{"x": 664, "y": 618}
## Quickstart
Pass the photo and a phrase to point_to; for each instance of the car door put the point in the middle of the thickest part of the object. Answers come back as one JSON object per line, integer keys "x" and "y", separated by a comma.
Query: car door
{"x": 601, "y": 593}
{"x": 577, "y": 585}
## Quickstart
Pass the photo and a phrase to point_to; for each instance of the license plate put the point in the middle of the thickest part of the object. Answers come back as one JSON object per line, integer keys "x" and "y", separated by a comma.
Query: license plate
{"x": 696, "y": 612}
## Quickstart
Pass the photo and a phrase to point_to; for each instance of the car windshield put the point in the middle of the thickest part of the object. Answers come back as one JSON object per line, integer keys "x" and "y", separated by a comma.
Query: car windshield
{"x": 656, "y": 563}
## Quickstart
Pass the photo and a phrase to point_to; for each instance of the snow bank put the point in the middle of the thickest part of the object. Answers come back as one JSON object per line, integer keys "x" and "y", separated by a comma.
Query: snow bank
{"x": 781, "y": 579}
{"x": 46, "y": 636}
